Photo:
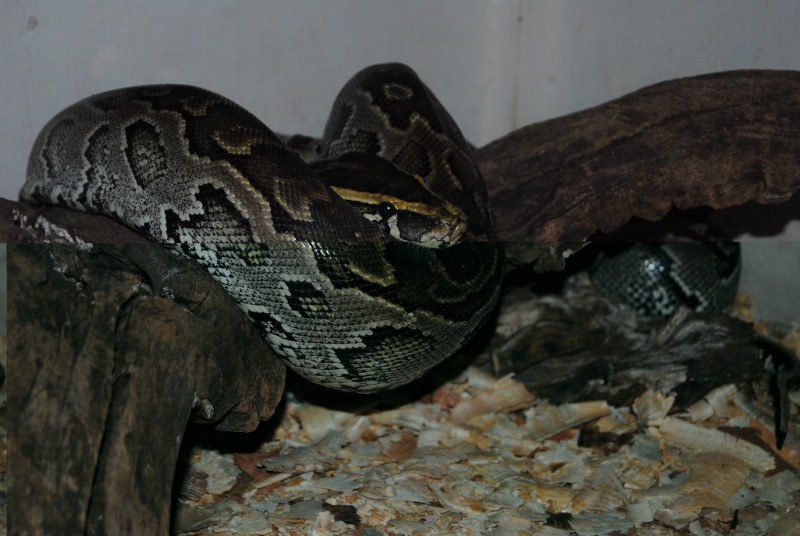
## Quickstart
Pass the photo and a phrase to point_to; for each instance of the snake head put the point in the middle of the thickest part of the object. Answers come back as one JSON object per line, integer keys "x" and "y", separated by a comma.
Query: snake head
{"x": 429, "y": 224}
{"x": 400, "y": 204}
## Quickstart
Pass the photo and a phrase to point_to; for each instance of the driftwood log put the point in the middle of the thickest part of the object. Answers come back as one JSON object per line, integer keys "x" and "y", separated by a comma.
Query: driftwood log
{"x": 716, "y": 140}
{"x": 112, "y": 347}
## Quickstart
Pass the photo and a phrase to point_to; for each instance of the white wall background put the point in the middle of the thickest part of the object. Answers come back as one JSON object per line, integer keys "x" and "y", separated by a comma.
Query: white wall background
{"x": 495, "y": 64}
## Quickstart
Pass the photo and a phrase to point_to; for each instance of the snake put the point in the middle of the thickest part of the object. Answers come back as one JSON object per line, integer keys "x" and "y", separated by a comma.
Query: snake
{"x": 362, "y": 266}
{"x": 655, "y": 278}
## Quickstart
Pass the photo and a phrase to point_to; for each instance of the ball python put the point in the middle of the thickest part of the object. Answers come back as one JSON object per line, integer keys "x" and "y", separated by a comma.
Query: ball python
{"x": 657, "y": 278}
{"x": 362, "y": 266}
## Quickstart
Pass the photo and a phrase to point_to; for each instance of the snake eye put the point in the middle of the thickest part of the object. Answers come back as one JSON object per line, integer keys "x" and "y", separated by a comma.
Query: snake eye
{"x": 386, "y": 209}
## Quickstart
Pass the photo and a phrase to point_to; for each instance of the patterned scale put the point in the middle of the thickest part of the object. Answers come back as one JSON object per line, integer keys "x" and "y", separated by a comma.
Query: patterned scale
{"x": 657, "y": 278}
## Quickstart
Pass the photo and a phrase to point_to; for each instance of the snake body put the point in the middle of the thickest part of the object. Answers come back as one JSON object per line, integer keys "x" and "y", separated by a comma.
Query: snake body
{"x": 657, "y": 278}
{"x": 361, "y": 270}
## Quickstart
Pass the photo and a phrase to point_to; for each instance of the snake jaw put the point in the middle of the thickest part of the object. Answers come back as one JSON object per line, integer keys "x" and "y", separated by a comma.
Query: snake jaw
{"x": 457, "y": 223}
{"x": 447, "y": 233}
{"x": 429, "y": 226}
{"x": 446, "y": 230}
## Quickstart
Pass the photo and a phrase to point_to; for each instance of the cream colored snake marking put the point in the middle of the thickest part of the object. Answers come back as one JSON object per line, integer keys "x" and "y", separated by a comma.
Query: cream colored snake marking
{"x": 362, "y": 269}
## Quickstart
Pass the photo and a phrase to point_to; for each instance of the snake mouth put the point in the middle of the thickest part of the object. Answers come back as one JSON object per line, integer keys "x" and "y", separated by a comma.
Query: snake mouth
{"x": 439, "y": 241}
{"x": 451, "y": 231}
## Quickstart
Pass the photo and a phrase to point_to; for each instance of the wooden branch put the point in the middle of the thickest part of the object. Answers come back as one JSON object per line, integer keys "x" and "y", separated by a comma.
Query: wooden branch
{"x": 717, "y": 140}
{"x": 111, "y": 348}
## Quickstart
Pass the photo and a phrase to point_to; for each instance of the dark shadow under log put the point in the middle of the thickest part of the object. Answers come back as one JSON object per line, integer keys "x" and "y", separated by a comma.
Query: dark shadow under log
{"x": 112, "y": 347}
{"x": 581, "y": 345}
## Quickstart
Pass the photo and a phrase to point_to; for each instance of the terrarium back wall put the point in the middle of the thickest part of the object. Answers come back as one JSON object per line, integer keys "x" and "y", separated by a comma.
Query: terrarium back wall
{"x": 496, "y": 64}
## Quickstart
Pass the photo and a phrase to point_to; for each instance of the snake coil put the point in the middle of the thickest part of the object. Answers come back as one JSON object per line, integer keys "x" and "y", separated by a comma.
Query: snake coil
{"x": 361, "y": 270}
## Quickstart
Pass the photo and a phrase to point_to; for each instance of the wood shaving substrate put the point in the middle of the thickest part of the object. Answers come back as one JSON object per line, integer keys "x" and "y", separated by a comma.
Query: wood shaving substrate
{"x": 484, "y": 456}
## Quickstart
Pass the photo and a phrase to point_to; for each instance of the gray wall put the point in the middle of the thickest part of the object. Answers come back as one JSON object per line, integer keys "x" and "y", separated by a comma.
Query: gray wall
{"x": 771, "y": 273}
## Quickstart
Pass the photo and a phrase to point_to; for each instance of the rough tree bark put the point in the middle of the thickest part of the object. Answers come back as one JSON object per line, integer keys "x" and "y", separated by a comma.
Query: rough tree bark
{"x": 112, "y": 347}
{"x": 717, "y": 140}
